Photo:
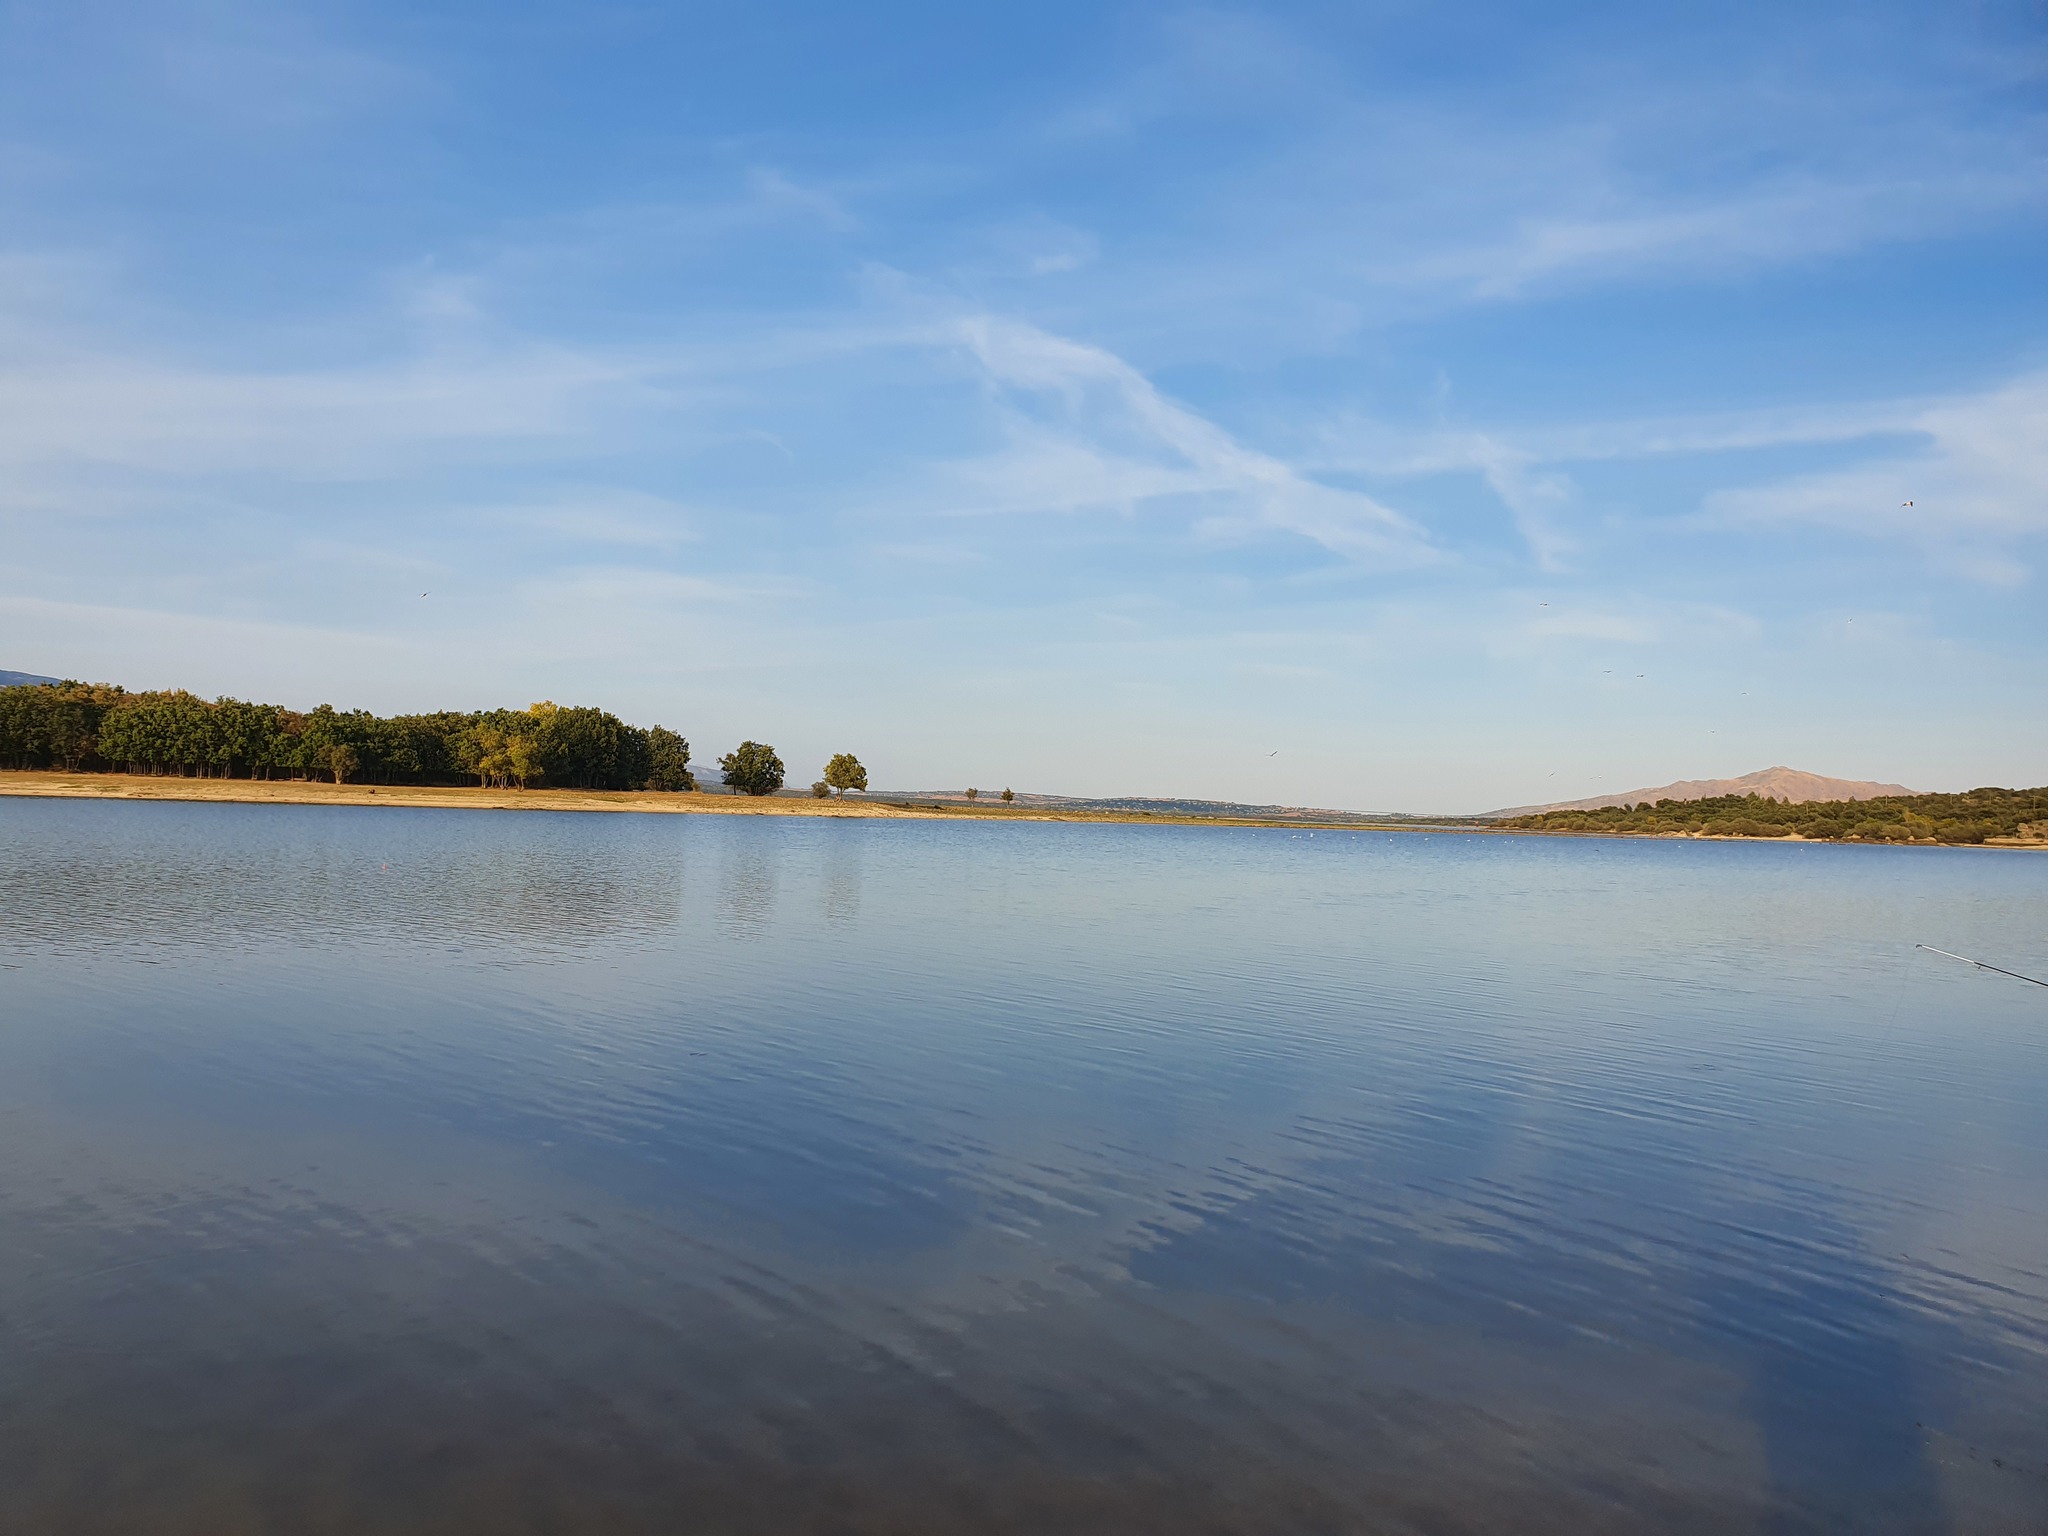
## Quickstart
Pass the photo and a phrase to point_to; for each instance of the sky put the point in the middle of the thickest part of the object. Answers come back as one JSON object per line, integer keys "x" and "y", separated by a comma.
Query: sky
{"x": 1380, "y": 406}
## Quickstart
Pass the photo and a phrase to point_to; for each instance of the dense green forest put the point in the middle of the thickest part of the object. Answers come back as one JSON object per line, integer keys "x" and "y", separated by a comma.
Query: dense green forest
{"x": 1965, "y": 818}
{"x": 92, "y": 726}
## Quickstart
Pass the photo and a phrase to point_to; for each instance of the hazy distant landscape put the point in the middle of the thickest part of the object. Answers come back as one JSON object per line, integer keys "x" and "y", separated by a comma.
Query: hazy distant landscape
{"x": 102, "y": 729}
{"x": 1788, "y": 784}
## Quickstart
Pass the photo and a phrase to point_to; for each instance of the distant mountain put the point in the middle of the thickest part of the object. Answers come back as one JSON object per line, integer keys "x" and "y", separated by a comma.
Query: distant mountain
{"x": 22, "y": 679}
{"x": 1787, "y": 784}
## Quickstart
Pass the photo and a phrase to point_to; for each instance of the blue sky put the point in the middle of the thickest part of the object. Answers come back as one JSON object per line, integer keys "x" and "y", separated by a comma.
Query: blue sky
{"x": 1470, "y": 405}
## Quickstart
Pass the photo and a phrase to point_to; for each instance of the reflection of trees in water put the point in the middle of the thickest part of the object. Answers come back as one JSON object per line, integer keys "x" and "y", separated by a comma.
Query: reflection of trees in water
{"x": 538, "y": 898}
{"x": 746, "y": 888}
{"x": 165, "y": 886}
{"x": 842, "y": 880}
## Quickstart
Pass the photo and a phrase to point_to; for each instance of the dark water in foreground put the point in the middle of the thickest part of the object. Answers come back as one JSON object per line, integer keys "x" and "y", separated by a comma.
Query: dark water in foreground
{"x": 423, "y": 1171}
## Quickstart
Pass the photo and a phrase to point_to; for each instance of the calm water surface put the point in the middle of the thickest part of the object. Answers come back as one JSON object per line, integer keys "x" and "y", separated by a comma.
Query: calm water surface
{"x": 440, "y": 1171}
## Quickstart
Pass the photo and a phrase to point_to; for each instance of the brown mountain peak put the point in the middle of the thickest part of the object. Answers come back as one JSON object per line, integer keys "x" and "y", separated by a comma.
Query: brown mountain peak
{"x": 1779, "y": 783}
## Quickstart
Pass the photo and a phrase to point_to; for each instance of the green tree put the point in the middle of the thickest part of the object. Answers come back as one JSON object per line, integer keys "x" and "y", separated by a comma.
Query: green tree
{"x": 1008, "y": 794}
{"x": 159, "y": 732}
{"x": 242, "y": 736}
{"x": 427, "y": 748}
{"x": 821, "y": 790}
{"x": 54, "y": 725}
{"x": 752, "y": 768}
{"x": 973, "y": 793}
{"x": 502, "y": 757}
{"x": 524, "y": 764}
{"x": 585, "y": 748}
{"x": 341, "y": 761}
{"x": 668, "y": 761}
{"x": 844, "y": 772}
{"x": 327, "y": 729}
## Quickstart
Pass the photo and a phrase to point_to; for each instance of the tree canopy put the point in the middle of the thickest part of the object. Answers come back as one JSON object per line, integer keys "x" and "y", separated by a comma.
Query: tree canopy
{"x": 752, "y": 768}
{"x": 89, "y": 726}
{"x": 1970, "y": 817}
{"x": 668, "y": 760}
{"x": 844, "y": 772}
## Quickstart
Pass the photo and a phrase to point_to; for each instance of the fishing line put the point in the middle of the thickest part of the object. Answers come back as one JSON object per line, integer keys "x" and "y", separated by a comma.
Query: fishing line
{"x": 2037, "y": 981}
{"x": 1880, "y": 1048}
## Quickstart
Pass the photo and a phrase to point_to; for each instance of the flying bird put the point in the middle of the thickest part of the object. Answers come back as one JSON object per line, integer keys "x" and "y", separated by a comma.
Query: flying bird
{"x": 423, "y": 594}
{"x": 1272, "y": 754}
{"x": 1905, "y": 503}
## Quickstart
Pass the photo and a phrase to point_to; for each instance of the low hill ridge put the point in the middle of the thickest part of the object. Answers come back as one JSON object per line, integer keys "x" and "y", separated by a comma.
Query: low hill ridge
{"x": 1790, "y": 784}
{"x": 1158, "y": 805}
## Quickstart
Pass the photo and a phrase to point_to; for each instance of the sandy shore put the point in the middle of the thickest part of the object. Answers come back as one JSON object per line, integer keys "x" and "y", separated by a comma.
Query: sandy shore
{"x": 127, "y": 786}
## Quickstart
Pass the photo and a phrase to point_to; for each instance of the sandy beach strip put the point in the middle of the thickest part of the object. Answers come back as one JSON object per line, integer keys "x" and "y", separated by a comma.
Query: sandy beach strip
{"x": 50, "y": 784}
{"x": 130, "y": 786}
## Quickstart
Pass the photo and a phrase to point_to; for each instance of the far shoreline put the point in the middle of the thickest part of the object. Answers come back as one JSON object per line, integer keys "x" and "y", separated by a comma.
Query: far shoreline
{"x": 49, "y": 784}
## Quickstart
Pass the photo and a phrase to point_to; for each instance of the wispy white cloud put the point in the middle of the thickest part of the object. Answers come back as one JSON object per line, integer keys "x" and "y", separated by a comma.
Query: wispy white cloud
{"x": 1206, "y": 64}
{"x": 1972, "y": 480}
{"x": 1335, "y": 198}
{"x": 1974, "y": 468}
{"x": 174, "y": 418}
{"x": 1090, "y": 432}
{"x": 1595, "y": 231}
{"x": 267, "y": 67}
{"x": 599, "y": 516}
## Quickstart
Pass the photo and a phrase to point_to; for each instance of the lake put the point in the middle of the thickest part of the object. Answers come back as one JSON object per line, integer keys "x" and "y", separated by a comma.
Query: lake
{"x": 447, "y": 1171}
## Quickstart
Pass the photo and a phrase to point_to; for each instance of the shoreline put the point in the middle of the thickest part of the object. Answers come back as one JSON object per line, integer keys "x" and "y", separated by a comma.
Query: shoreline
{"x": 49, "y": 784}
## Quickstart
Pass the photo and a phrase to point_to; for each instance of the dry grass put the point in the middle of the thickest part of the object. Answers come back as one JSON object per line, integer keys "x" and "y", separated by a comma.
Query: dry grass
{"x": 128, "y": 786}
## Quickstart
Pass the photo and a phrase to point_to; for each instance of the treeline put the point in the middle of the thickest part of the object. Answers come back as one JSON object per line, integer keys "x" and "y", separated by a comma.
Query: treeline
{"x": 95, "y": 727}
{"x": 1973, "y": 817}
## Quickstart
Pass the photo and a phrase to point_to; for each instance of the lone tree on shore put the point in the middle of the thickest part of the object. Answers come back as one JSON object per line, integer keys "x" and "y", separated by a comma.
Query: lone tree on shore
{"x": 844, "y": 772}
{"x": 752, "y": 768}
{"x": 973, "y": 793}
{"x": 1008, "y": 794}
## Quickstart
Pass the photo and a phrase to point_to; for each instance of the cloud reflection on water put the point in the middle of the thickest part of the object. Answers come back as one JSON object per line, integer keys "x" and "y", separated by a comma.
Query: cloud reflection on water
{"x": 1127, "y": 1178}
